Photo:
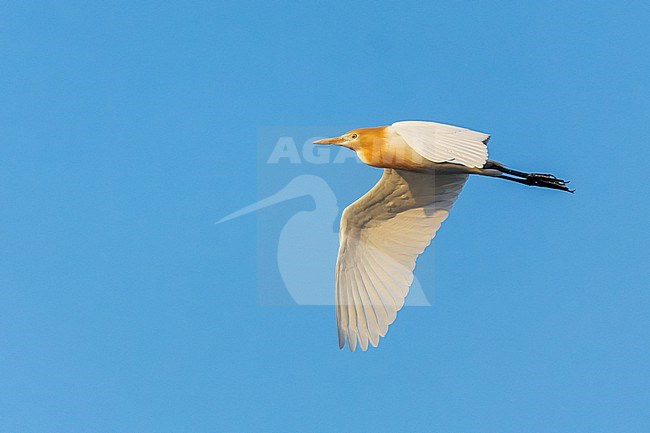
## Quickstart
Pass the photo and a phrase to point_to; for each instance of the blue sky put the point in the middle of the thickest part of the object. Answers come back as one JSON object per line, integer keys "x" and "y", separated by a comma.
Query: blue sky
{"x": 128, "y": 128}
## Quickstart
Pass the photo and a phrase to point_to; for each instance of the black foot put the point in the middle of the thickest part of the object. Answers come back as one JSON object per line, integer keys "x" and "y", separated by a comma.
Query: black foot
{"x": 547, "y": 181}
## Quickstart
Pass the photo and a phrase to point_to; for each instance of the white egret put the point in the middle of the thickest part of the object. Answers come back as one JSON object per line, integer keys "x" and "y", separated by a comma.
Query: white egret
{"x": 425, "y": 167}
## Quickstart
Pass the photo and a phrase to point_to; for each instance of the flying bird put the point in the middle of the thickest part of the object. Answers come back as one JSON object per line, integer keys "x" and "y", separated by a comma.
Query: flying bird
{"x": 382, "y": 234}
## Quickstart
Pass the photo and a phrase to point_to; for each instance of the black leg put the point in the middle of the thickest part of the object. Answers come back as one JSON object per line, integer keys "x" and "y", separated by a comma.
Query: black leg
{"x": 532, "y": 179}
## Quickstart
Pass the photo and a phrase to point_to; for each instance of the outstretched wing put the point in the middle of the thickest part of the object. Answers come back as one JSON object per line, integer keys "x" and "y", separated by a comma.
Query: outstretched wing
{"x": 438, "y": 142}
{"x": 381, "y": 236}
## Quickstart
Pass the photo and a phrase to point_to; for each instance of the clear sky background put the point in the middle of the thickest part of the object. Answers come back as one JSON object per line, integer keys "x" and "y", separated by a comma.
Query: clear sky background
{"x": 128, "y": 128}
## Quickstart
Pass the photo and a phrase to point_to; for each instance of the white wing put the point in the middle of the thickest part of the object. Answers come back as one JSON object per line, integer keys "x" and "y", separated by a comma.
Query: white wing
{"x": 438, "y": 142}
{"x": 382, "y": 234}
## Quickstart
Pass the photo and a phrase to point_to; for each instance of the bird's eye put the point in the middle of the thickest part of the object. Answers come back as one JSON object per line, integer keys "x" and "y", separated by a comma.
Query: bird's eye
{"x": 353, "y": 136}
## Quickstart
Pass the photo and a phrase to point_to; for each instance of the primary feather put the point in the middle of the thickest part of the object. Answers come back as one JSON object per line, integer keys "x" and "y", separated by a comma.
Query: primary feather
{"x": 382, "y": 234}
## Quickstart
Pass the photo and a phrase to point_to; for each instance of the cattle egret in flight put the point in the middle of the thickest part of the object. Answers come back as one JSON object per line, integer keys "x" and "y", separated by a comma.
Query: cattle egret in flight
{"x": 425, "y": 167}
